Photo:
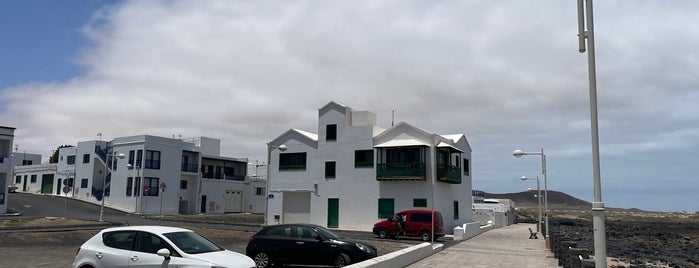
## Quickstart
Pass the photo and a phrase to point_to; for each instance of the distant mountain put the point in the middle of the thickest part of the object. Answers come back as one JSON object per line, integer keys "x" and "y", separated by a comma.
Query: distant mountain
{"x": 556, "y": 200}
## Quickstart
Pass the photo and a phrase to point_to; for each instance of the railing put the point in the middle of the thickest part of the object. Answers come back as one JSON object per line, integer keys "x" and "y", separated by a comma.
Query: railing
{"x": 194, "y": 168}
{"x": 102, "y": 153}
{"x": 292, "y": 167}
{"x": 364, "y": 164}
{"x": 389, "y": 171}
{"x": 235, "y": 177}
{"x": 448, "y": 173}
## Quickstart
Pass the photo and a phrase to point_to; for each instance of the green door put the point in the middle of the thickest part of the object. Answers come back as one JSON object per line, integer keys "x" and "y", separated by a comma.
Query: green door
{"x": 46, "y": 183}
{"x": 58, "y": 187}
{"x": 333, "y": 212}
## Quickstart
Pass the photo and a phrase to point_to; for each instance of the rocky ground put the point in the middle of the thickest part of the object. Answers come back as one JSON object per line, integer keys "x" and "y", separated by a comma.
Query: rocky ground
{"x": 637, "y": 239}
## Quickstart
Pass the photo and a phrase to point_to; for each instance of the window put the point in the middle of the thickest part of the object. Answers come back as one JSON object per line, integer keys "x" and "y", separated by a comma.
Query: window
{"x": 83, "y": 183}
{"x": 132, "y": 155}
{"x": 330, "y": 169}
{"x": 259, "y": 191}
{"x": 292, "y": 161}
{"x": 139, "y": 158}
{"x": 121, "y": 239}
{"x": 331, "y": 132}
{"x": 364, "y": 159}
{"x": 151, "y": 243}
{"x": 466, "y": 167}
{"x": 137, "y": 187}
{"x": 183, "y": 184}
{"x": 456, "y": 210}
{"x": 129, "y": 185}
{"x": 86, "y": 158}
{"x": 152, "y": 159}
{"x": 18, "y": 179}
{"x": 420, "y": 202}
{"x": 150, "y": 186}
{"x": 420, "y": 217}
{"x": 26, "y": 162}
{"x": 386, "y": 207}
{"x": 403, "y": 155}
{"x": 71, "y": 160}
{"x": 33, "y": 180}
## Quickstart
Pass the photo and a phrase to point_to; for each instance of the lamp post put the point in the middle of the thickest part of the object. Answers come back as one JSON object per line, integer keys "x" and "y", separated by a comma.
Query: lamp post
{"x": 270, "y": 147}
{"x": 104, "y": 180}
{"x": 518, "y": 153}
{"x": 538, "y": 197}
{"x": 598, "y": 210}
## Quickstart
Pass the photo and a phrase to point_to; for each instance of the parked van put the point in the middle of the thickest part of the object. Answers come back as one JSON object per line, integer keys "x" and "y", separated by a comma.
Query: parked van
{"x": 415, "y": 223}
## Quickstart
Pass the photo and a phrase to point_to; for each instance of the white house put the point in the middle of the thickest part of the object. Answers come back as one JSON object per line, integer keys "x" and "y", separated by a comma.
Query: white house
{"x": 7, "y": 135}
{"x": 151, "y": 175}
{"x": 353, "y": 173}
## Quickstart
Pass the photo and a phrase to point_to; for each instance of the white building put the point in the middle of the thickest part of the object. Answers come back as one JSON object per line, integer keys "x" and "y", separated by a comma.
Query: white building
{"x": 7, "y": 135}
{"x": 152, "y": 175}
{"x": 353, "y": 173}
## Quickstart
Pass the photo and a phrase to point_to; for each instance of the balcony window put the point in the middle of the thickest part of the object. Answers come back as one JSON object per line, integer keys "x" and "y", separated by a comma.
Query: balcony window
{"x": 292, "y": 161}
{"x": 364, "y": 159}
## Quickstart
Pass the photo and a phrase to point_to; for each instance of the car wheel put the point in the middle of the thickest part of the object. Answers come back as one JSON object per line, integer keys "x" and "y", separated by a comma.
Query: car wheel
{"x": 425, "y": 236}
{"x": 383, "y": 233}
{"x": 262, "y": 260}
{"x": 341, "y": 260}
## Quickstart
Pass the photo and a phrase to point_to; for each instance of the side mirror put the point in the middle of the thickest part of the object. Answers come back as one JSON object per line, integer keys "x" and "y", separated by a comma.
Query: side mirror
{"x": 165, "y": 253}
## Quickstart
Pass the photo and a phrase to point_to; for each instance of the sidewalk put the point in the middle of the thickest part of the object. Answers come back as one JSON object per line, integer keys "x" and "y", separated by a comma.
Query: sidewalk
{"x": 503, "y": 247}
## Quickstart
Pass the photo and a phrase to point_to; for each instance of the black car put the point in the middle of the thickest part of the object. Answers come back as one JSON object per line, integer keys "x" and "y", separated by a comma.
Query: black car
{"x": 304, "y": 244}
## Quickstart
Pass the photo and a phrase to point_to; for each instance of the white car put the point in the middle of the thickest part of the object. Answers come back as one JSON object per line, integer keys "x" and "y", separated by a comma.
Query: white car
{"x": 155, "y": 246}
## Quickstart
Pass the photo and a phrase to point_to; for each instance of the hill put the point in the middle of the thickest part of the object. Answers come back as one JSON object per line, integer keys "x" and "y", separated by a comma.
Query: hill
{"x": 556, "y": 200}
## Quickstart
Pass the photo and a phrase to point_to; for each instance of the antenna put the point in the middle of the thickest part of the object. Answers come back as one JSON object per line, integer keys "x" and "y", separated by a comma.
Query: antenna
{"x": 393, "y": 115}
{"x": 100, "y": 135}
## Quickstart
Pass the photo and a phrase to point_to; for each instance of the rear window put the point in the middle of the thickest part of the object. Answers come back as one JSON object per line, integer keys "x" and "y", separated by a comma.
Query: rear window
{"x": 119, "y": 239}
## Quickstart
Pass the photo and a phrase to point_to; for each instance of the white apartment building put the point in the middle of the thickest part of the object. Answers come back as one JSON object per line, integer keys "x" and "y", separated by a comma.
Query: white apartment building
{"x": 7, "y": 135}
{"x": 152, "y": 175}
{"x": 353, "y": 173}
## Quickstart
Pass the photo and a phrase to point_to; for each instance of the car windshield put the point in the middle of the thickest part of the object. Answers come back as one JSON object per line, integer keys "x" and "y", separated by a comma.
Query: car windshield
{"x": 192, "y": 243}
{"x": 328, "y": 233}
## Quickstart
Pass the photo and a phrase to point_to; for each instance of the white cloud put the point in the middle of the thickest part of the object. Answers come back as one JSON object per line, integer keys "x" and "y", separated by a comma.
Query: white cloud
{"x": 508, "y": 74}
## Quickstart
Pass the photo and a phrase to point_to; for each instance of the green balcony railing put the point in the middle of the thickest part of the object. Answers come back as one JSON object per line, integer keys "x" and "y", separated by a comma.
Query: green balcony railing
{"x": 391, "y": 171}
{"x": 448, "y": 173}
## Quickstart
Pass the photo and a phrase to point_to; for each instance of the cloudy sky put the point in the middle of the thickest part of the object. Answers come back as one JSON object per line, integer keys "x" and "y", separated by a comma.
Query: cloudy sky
{"x": 507, "y": 74}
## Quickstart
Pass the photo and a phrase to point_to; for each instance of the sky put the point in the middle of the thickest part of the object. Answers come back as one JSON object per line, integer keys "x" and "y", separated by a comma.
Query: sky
{"x": 507, "y": 74}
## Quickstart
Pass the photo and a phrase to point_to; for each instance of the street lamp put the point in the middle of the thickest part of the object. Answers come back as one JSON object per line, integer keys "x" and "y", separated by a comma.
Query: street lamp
{"x": 270, "y": 147}
{"x": 538, "y": 196}
{"x": 518, "y": 153}
{"x": 104, "y": 180}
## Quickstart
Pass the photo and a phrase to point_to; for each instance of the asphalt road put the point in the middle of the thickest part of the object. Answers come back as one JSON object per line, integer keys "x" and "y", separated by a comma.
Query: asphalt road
{"x": 57, "y": 249}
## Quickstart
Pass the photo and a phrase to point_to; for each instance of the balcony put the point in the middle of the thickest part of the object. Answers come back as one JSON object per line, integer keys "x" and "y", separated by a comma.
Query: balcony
{"x": 192, "y": 168}
{"x": 448, "y": 173}
{"x": 400, "y": 171}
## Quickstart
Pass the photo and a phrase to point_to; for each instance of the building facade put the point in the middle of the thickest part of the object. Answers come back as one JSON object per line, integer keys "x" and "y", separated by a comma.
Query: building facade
{"x": 7, "y": 135}
{"x": 151, "y": 175}
{"x": 353, "y": 173}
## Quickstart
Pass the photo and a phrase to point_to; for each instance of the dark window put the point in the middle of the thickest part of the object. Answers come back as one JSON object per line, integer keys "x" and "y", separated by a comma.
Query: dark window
{"x": 259, "y": 191}
{"x": 420, "y": 217}
{"x": 151, "y": 243}
{"x": 280, "y": 231}
{"x": 83, "y": 183}
{"x": 139, "y": 158}
{"x": 456, "y": 210}
{"x": 18, "y": 179}
{"x": 120, "y": 239}
{"x": 466, "y": 167}
{"x": 132, "y": 157}
{"x": 152, "y": 159}
{"x": 183, "y": 184}
{"x": 137, "y": 187}
{"x": 26, "y": 162}
{"x": 150, "y": 186}
{"x": 331, "y": 132}
{"x": 420, "y": 202}
{"x": 71, "y": 160}
{"x": 129, "y": 185}
{"x": 292, "y": 161}
{"x": 403, "y": 155}
{"x": 364, "y": 158}
{"x": 330, "y": 169}
{"x": 33, "y": 178}
{"x": 386, "y": 208}
{"x": 86, "y": 158}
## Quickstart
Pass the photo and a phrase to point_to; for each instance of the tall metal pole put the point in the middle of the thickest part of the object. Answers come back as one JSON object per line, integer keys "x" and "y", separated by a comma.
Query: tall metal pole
{"x": 538, "y": 189}
{"x": 546, "y": 197}
{"x": 269, "y": 173}
{"x": 598, "y": 210}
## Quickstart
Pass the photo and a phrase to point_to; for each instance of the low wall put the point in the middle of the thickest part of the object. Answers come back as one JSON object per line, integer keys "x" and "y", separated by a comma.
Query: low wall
{"x": 400, "y": 258}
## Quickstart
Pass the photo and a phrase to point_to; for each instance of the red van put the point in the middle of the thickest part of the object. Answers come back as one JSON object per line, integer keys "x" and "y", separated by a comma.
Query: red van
{"x": 415, "y": 223}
